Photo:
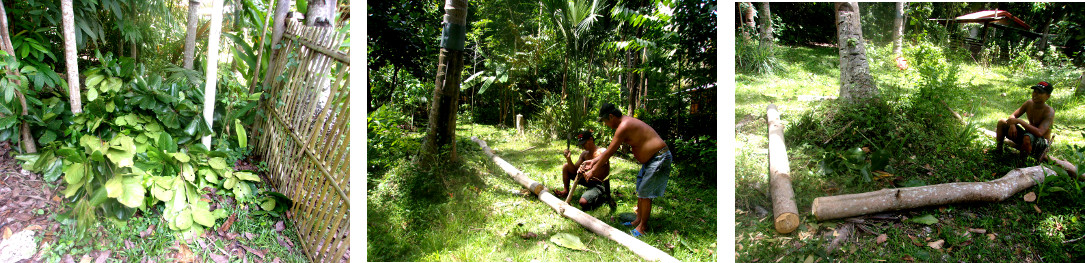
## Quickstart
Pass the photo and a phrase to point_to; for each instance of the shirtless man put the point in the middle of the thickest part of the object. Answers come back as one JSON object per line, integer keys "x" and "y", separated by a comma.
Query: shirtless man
{"x": 596, "y": 190}
{"x": 1031, "y": 137}
{"x": 650, "y": 151}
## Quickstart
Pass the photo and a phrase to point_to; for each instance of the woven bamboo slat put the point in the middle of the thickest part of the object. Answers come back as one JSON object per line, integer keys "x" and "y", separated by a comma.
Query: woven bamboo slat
{"x": 305, "y": 137}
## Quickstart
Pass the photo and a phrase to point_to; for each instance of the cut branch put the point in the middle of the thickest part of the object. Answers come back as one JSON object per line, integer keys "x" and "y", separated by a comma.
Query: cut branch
{"x": 638, "y": 247}
{"x": 785, "y": 212}
{"x": 841, "y": 206}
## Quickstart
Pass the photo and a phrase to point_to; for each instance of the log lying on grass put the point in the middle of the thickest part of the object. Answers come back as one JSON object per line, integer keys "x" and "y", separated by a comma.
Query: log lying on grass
{"x": 638, "y": 247}
{"x": 841, "y": 206}
{"x": 785, "y": 212}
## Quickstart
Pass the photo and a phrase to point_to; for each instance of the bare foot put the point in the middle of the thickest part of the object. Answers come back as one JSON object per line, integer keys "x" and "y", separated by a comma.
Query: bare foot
{"x": 561, "y": 193}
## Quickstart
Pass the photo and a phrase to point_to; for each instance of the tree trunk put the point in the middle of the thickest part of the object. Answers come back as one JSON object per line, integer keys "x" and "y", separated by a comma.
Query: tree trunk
{"x": 748, "y": 14}
{"x": 320, "y": 13}
{"x": 440, "y": 141}
{"x": 190, "y": 33}
{"x": 29, "y": 146}
{"x": 785, "y": 212}
{"x": 260, "y": 56}
{"x": 841, "y": 206}
{"x": 766, "y": 26}
{"x": 648, "y": 252}
{"x": 281, "y": 8}
{"x": 68, "y": 16}
{"x": 1080, "y": 85}
{"x": 210, "y": 86}
{"x": 856, "y": 84}
{"x": 898, "y": 29}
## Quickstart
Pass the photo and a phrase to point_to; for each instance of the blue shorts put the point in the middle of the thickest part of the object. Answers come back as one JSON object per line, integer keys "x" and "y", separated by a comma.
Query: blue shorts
{"x": 653, "y": 175}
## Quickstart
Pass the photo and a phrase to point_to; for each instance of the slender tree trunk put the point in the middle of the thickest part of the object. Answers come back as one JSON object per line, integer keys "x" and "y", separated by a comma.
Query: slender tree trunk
{"x": 440, "y": 141}
{"x": 1080, "y": 85}
{"x": 898, "y": 29}
{"x": 631, "y": 82}
{"x": 766, "y": 26}
{"x": 68, "y": 16}
{"x": 748, "y": 14}
{"x": 190, "y": 33}
{"x": 260, "y": 54}
{"x": 210, "y": 86}
{"x": 281, "y": 8}
{"x": 29, "y": 146}
{"x": 320, "y": 13}
{"x": 856, "y": 84}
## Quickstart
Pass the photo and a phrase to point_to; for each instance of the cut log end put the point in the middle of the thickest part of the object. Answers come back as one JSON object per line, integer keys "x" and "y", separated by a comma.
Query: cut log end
{"x": 787, "y": 223}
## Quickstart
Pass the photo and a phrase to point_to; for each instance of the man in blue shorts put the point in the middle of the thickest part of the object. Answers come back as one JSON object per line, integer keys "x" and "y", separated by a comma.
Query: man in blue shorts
{"x": 650, "y": 151}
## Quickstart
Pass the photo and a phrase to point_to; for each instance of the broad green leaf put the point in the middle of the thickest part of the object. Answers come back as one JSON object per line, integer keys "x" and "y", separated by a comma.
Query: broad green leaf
{"x": 92, "y": 94}
{"x": 72, "y": 189}
{"x": 268, "y": 204}
{"x": 114, "y": 187}
{"x": 229, "y": 183}
{"x": 165, "y": 142}
{"x": 121, "y": 150}
{"x": 93, "y": 80}
{"x": 184, "y": 219}
{"x": 247, "y": 176}
{"x": 162, "y": 193}
{"x": 109, "y": 107}
{"x": 242, "y": 138}
{"x": 209, "y": 175}
{"x": 568, "y": 240}
{"x": 242, "y": 192}
{"x": 90, "y": 143}
{"x": 202, "y": 215}
{"x": 52, "y": 173}
{"x": 181, "y": 157}
{"x": 926, "y": 220}
{"x": 180, "y": 199}
{"x": 134, "y": 192}
{"x": 217, "y": 163}
{"x": 47, "y": 137}
{"x": 74, "y": 173}
{"x": 71, "y": 154}
{"x": 113, "y": 84}
{"x": 188, "y": 172}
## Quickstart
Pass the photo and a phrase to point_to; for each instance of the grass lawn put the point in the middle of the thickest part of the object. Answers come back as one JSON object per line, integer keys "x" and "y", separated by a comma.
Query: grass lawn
{"x": 474, "y": 211}
{"x": 1008, "y": 231}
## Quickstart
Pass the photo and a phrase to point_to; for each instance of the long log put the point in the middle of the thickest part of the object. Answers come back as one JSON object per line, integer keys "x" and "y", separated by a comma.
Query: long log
{"x": 785, "y": 212}
{"x": 638, "y": 247}
{"x": 841, "y": 206}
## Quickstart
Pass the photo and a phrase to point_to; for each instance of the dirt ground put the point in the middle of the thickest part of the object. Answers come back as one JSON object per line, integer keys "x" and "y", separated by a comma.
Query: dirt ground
{"x": 26, "y": 202}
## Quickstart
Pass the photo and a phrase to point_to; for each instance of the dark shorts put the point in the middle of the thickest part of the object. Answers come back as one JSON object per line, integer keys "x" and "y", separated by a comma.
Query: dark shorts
{"x": 1039, "y": 144}
{"x": 653, "y": 175}
{"x": 595, "y": 194}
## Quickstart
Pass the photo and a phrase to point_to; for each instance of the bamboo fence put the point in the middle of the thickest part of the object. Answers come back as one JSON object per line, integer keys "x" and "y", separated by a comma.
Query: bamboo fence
{"x": 305, "y": 138}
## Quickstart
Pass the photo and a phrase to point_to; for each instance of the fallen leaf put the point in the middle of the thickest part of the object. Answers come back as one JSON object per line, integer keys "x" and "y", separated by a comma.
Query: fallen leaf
{"x": 229, "y": 222}
{"x": 184, "y": 254}
{"x": 249, "y": 236}
{"x": 148, "y": 232}
{"x": 528, "y": 235}
{"x": 7, "y": 233}
{"x": 936, "y": 244}
{"x": 668, "y": 245}
{"x": 258, "y": 253}
{"x": 56, "y": 198}
{"x": 67, "y": 259}
{"x": 1030, "y": 197}
{"x": 977, "y": 230}
{"x": 86, "y": 258}
{"x": 128, "y": 244}
{"x": 33, "y": 228}
{"x": 881, "y": 238}
{"x": 907, "y": 258}
{"x": 991, "y": 236}
{"x": 568, "y": 240}
{"x": 914, "y": 241}
{"x": 965, "y": 243}
{"x": 218, "y": 258}
{"x": 280, "y": 226}
{"x": 809, "y": 259}
{"x": 231, "y": 236}
{"x": 276, "y": 260}
{"x": 926, "y": 220}
{"x": 1038, "y": 211}
{"x": 103, "y": 256}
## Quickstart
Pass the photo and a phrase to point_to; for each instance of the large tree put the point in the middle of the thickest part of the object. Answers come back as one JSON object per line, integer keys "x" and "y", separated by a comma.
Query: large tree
{"x": 856, "y": 84}
{"x": 440, "y": 143}
{"x": 320, "y": 13}
{"x": 748, "y": 14}
{"x": 766, "y": 25}
{"x": 898, "y": 28}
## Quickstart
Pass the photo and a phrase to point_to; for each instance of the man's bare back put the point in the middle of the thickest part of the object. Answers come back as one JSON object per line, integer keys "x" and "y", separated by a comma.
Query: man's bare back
{"x": 638, "y": 135}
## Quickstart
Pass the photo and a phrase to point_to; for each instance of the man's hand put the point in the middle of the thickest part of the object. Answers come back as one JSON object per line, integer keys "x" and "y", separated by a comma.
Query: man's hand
{"x": 1012, "y": 131}
{"x": 587, "y": 174}
{"x": 587, "y": 165}
{"x": 567, "y": 154}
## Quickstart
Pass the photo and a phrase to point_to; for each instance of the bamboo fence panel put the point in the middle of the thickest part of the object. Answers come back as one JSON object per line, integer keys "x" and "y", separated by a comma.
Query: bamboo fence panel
{"x": 306, "y": 135}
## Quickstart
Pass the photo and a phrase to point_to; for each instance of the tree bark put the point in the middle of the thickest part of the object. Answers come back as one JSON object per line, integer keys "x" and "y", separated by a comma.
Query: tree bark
{"x": 1080, "y": 85}
{"x": 785, "y": 212}
{"x": 766, "y": 26}
{"x": 856, "y": 84}
{"x": 898, "y": 29}
{"x": 75, "y": 99}
{"x": 841, "y": 206}
{"x": 190, "y": 34}
{"x": 210, "y": 85}
{"x": 748, "y": 14}
{"x": 281, "y": 8}
{"x": 440, "y": 141}
{"x": 320, "y": 13}
{"x": 648, "y": 252}
{"x": 29, "y": 145}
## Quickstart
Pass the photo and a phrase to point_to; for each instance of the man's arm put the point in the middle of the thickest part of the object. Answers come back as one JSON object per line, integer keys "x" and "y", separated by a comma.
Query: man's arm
{"x": 1013, "y": 119}
{"x": 619, "y": 136}
{"x": 1045, "y": 124}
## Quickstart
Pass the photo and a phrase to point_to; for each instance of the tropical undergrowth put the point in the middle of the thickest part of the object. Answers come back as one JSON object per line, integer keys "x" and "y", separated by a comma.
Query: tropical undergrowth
{"x": 136, "y": 147}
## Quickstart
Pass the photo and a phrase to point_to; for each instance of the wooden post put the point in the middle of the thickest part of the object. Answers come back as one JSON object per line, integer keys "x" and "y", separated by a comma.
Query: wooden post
{"x": 841, "y": 206}
{"x": 212, "y": 69}
{"x": 638, "y": 247}
{"x": 785, "y": 212}
{"x": 520, "y": 123}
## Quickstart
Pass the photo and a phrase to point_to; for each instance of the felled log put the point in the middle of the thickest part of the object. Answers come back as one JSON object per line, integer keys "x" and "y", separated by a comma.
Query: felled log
{"x": 638, "y": 247}
{"x": 785, "y": 212}
{"x": 841, "y": 206}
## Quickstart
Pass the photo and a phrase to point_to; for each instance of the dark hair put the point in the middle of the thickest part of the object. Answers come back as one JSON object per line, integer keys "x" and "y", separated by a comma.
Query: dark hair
{"x": 609, "y": 109}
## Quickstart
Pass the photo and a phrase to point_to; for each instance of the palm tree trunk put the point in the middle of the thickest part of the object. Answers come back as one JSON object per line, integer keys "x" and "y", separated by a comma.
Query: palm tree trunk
{"x": 29, "y": 146}
{"x": 441, "y": 134}
{"x": 74, "y": 97}
{"x": 210, "y": 86}
{"x": 766, "y": 26}
{"x": 898, "y": 29}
